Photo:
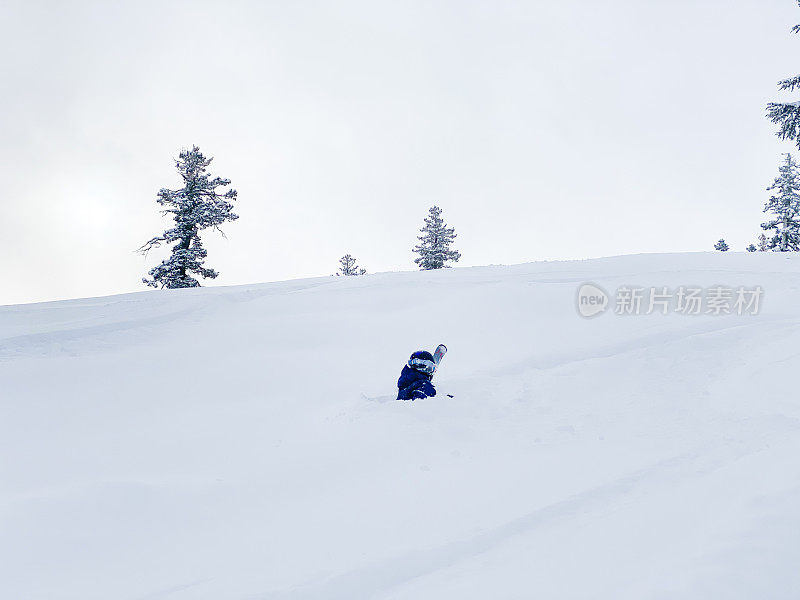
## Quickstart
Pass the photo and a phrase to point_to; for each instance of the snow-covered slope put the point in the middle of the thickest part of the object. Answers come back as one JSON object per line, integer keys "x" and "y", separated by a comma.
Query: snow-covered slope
{"x": 241, "y": 443}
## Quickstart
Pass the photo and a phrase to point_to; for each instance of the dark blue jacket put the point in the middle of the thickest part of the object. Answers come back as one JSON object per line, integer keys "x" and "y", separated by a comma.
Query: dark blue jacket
{"x": 414, "y": 385}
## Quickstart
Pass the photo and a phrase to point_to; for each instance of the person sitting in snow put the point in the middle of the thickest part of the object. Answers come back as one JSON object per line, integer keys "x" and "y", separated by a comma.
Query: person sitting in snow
{"x": 415, "y": 380}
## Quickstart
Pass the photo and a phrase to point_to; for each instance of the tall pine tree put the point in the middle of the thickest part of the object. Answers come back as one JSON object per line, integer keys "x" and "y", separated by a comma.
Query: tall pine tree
{"x": 434, "y": 248}
{"x": 784, "y": 205}
{"x": 787, "y": 114}
{"x": 194, "y": 207}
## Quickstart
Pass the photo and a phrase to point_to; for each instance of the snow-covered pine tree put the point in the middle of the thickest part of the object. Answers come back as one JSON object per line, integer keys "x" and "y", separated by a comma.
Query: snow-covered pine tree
{"x": 785, "y": 206}
{"x": 763, "y": 244}
{"x": 751, "y": 248}
{"x": 434, "y": 250}
{"x": 787, "y": 114}
{"x": 721, "y": 245}
{"x": 349, "y": 267}
{"x": 194, "y": 207}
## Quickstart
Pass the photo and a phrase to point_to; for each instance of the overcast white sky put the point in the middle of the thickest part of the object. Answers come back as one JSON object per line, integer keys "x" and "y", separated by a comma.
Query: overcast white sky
{"x": 544, "y": 129}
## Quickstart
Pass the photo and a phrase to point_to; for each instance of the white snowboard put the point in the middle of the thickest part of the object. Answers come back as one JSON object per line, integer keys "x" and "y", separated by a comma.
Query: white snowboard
{"x": 441, "y": 350}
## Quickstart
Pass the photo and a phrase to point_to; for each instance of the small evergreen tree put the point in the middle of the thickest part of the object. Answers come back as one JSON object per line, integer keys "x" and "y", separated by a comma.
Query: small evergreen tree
{"x": 194, "y": 207}
{"x": 787, "y": 114}
{"x": 434, "y": 250}
{"x": 349, "y": 267}
{"x": 785, "y": 206}
{"x": 763, "y": 244}
{"x": 721, "y": 245}
{"x": 751, "y": 248}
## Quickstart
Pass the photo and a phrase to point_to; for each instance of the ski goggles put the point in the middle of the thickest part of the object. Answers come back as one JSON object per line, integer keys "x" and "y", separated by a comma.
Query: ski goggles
{"x": 421, "y": 364}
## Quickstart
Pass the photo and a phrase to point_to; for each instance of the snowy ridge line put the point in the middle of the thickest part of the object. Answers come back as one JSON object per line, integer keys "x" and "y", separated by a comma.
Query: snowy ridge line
{"x": 15, "y": 346}
{"x": 23, "y": 344}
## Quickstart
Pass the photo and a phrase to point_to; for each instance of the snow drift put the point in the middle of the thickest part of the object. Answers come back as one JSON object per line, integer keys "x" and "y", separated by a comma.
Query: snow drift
{"x": 243, "y": 443}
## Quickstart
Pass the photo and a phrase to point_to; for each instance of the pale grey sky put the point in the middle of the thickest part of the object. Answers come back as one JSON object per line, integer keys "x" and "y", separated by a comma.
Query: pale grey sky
{"x": 545, "y": 130}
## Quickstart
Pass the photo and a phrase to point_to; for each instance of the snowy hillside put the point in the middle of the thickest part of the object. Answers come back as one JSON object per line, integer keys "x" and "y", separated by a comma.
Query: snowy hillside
{"x": 242, "y": 443}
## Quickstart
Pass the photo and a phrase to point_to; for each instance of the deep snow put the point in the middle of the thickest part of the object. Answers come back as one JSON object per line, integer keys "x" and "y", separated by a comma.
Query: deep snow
{"x": 242, "y": 443}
